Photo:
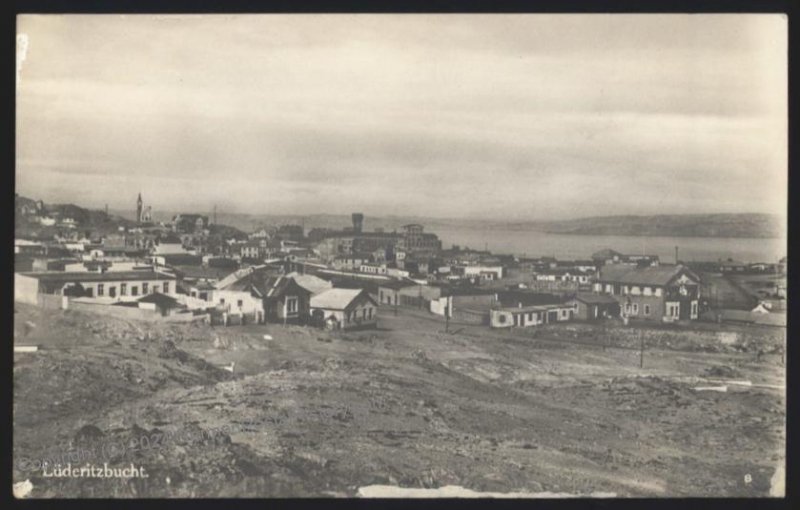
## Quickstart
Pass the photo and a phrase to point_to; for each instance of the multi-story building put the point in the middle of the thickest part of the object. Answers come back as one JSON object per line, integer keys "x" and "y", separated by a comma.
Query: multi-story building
{"x": 659, "y": 293}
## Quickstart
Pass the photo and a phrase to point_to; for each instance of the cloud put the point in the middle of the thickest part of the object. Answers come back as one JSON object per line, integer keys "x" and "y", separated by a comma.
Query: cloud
{"x": 443, "y": 115}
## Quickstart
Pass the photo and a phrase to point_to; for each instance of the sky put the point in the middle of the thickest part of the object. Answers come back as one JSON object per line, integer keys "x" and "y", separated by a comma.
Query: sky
{"x": 524, "y": 117}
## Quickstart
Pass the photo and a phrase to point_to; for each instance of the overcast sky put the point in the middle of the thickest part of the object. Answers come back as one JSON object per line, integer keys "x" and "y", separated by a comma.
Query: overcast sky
{"x": 518, "y": 116}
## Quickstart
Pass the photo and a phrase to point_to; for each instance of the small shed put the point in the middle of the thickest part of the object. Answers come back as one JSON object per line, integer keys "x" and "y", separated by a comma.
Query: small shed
{"x": 591, "y": 307}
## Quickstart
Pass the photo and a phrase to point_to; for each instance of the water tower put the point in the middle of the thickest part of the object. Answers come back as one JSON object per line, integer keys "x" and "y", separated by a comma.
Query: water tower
{"x": 358, "y": 222}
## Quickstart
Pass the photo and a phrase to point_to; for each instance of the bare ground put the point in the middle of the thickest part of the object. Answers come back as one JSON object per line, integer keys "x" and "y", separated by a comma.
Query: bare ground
{"x": 319, "y": 414}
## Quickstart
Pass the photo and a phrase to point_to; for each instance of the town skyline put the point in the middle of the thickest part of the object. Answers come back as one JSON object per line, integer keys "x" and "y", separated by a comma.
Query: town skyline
{"x": 531, "y": 117}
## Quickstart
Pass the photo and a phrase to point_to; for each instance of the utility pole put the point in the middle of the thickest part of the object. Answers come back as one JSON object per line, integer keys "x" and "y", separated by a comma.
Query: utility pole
{"x": 641, "y": 349}
{"x": 604, "y": 332}
{"x": 396, "y": 297}
{"x": 447, "y": 309}
{"x": 215, "y": 214}
{"x": 676, "y": 255}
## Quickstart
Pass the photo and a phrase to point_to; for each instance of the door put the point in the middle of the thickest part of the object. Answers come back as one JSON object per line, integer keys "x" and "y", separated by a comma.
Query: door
{"x": 112, "y": 292}
{"x": 552, "y": 316}
{"x": 673, "y": 310}
{"x": 685, "y": 310}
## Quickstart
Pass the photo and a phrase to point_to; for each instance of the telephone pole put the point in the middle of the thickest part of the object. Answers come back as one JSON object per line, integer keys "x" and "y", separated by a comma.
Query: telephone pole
{"x": 447, "y": 308}
{"x": 641, "y": 349}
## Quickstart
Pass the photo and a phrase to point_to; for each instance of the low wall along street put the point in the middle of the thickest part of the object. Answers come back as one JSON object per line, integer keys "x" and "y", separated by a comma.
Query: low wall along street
{"x": 126, "y": 312}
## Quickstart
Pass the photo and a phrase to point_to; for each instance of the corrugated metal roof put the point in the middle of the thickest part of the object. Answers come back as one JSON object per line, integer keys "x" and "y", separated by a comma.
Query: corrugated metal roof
{"x": 535, "y": 308}
{"x": 652, "y": 275}
{"x": 311, "y": 283}
{"x": 337, "y": 299}
{"x": 514, "y": 298}
{"x": 89, "y": 276}
{"x": 596, "y": 299}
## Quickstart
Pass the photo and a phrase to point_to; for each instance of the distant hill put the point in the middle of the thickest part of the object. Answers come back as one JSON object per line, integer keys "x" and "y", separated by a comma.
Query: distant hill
{"x": 751, "y": 225}
{"x": 671, "y": 225}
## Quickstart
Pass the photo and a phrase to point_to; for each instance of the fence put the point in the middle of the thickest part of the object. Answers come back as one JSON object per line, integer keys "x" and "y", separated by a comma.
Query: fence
{"x": 51, "y": 301}
{"x": 416, "y": 302}
{"x": 470, "y": 316}
{"x": 122, "y": 312}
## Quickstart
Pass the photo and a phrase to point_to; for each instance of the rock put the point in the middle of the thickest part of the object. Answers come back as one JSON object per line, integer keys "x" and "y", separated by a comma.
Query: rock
{"x": 22, "y": 489}
{"x": 88, "y": 433}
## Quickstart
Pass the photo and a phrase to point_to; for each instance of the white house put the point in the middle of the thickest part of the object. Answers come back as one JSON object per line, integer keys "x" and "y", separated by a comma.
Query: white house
{"x": 344, "y": 309}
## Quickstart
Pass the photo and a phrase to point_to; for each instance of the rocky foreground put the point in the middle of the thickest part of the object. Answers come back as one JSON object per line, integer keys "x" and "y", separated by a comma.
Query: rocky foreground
{"x": 300, "y": 412}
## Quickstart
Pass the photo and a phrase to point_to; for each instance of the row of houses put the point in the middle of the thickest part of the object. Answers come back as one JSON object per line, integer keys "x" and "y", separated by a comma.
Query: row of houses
{"x": 657, "y": 293}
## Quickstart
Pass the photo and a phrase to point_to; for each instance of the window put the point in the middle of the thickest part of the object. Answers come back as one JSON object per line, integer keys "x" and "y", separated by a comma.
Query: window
{"x": 291, "y": 305}
{"x": 123, "y": 289}
{"x": 144, "y": 288}
{"x": 501, "y": 319}
{"x": 222, "y": 301}
{"x": 134, "y": 290}
{"x": 647, "y": 309}
{"x": 648, "y": 291}
{"x": 635, "y": 309}
{"x": 240, "y": 303}
{"x": 364, "y": 313}
{"x": 112, "y": 292}
{"x": 381, "y": 297}
{"x": 166, "y": 287}
{"x": 658, "y": 291}
{"x": 100, "y": 289}
{"x": 694, "y": 309}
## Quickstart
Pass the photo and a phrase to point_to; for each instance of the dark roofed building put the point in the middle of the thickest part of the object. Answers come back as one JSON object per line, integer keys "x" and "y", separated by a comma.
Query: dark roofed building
{"x": 595, "y": 306}
{"x": 163, "y": 303}
{"x": 407, "y": 293}
{"x": 202, "y": 273}
{"x": 606, "y": 255}
{"x": 188, "y": 223}
{"x": 513, "y": 298}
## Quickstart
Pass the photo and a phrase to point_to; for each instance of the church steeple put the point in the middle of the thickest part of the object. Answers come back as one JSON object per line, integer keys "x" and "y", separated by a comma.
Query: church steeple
{"x": 139, "y": 208}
